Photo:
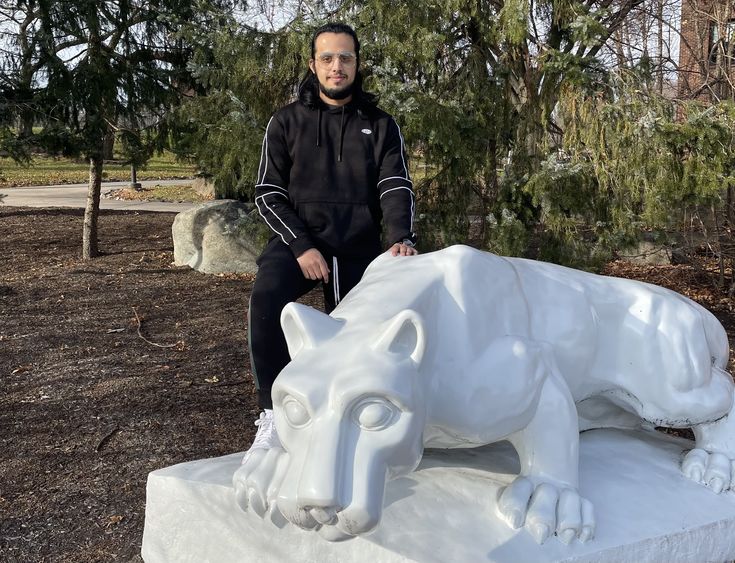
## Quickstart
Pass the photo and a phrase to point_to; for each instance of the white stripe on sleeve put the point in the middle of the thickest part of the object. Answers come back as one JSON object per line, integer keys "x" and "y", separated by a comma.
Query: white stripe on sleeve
{"x": 262, "y": 197}
{"x": 264, "y": 153}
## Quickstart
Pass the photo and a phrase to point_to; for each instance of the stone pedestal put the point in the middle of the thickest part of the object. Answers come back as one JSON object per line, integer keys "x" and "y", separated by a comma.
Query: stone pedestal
{"x": 445, "y": 511}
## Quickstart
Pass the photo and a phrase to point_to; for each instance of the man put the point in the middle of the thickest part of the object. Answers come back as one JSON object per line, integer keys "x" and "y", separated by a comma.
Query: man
{"x": 332, "y": 165}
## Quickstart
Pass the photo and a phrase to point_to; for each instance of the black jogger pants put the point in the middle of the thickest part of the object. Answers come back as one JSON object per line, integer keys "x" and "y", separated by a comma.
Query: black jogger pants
{"x": 278, "y": 282}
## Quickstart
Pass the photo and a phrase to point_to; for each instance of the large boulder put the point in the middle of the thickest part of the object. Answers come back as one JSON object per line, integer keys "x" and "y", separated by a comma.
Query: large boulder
{"x": 223, "y": 236}
{"x": 647, "y": 252}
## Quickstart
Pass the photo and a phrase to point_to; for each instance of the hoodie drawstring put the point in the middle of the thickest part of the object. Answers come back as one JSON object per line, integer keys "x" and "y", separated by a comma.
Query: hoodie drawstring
{"x": 318, "y": 124}
{"x": 341, "y": 130}
{"x": 341, "y": 133}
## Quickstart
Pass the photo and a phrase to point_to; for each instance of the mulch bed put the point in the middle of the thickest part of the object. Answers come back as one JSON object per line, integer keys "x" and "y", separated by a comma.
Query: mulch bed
{"x": 118, "y": 366}
{"x": 89, "y": 406}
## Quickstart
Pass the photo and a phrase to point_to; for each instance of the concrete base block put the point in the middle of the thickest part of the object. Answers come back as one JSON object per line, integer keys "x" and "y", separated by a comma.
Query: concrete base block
{"x": 445, "y": 511}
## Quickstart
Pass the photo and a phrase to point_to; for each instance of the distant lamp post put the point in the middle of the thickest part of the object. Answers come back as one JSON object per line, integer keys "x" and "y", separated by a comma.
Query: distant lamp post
{"x": 134, "y": 184}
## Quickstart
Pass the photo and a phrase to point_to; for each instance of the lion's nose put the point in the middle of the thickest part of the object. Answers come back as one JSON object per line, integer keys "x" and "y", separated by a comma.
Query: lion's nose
{"x": 325, "y": 516}
{"x": 320, "y": 479}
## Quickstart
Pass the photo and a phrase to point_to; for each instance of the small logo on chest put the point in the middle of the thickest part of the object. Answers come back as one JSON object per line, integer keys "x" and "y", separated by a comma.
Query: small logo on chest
{"x": 367, "y": 131}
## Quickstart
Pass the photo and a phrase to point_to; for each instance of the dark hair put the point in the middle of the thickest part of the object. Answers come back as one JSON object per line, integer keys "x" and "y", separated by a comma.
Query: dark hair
{"x": 336, "y": 27}
{"x": 309, "y": 86}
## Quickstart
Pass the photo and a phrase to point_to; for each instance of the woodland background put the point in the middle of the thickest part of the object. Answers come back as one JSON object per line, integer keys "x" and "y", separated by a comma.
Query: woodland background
{"x": 556, "y": 129}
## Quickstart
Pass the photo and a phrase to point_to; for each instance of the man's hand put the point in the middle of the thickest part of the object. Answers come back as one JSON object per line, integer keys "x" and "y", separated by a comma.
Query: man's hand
{"x": 400, "y": 249}
{"x": 313, "y": 265}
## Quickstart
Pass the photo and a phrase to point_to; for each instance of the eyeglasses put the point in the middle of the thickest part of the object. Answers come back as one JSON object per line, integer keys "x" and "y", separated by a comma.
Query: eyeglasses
{"x": 347, "y": 58}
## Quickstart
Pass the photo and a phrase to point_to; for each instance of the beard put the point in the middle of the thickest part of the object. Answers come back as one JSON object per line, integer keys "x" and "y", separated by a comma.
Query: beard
{"x": 336, "y": 93}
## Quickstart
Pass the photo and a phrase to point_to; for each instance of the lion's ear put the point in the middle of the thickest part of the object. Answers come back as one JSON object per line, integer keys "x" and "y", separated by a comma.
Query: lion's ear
{"x": 305, "y": 327}
{"x": 404, "y": 336}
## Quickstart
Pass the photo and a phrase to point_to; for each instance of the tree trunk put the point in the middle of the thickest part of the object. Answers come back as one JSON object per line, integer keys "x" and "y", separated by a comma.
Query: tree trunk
{"x": 660, "y": 47}
{"x": 25, "y": 124}
{"x": 108, "y": 152}
{"x": 91, "y": 212}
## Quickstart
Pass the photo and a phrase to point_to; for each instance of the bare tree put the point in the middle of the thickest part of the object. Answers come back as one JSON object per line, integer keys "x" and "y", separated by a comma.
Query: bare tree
{"x": 648, "y": 38}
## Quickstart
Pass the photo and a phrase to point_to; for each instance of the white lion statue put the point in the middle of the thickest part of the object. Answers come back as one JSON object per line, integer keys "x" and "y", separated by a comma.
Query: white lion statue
{"x": 461, "y": 348}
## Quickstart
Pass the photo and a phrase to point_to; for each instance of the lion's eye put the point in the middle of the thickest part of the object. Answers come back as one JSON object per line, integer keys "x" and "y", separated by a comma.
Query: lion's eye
{"x": 295, "y": 412}
{"x": 374, "y": 414}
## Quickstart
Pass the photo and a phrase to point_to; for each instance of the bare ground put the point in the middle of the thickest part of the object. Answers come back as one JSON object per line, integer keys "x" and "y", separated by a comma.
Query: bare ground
{"x": 93, "y": 397}
{"x": 88, "y": 407}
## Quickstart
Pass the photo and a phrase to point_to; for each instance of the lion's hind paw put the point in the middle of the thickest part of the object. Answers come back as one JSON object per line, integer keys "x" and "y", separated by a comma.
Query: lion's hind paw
{"x": 546, "y": 510}
{"x": 713, "y": 470}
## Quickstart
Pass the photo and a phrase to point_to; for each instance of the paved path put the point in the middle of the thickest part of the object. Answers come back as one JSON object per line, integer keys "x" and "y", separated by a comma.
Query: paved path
{"x": 75, "y": 195}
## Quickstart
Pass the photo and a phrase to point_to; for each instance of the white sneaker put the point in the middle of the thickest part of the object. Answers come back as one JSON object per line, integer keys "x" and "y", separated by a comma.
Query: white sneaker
{"x": 266, "y": 438}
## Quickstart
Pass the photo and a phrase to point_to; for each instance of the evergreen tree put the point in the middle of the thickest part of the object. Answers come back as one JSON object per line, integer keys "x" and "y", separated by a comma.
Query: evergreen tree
{"x": 115, "y": 66}
{"x": 19, "y": 24}
{"x": 475, "y": 86}
{"x": 632, "y": 160}
{"x": 249, "y": 73}
{"x": 478, "y": 84}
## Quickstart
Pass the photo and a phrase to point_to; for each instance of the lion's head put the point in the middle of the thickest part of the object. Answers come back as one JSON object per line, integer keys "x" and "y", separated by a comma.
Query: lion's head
{"x": 350, "y": 413}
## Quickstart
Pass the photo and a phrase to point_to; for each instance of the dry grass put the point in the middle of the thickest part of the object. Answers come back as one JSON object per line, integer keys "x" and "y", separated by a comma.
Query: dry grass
{"x": 176, "y": 193}
{"x": 46, "y": 170}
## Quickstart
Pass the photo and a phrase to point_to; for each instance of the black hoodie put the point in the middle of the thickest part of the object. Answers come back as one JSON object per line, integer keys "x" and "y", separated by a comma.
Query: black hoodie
{"x": 328, "y": 176}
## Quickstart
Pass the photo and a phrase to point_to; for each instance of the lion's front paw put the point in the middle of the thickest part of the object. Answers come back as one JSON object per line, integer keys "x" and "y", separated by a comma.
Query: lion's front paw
{"x": 258, "y": 480}
{"x": 713, "y": 470}
{"x": 546, "y": 510}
